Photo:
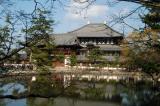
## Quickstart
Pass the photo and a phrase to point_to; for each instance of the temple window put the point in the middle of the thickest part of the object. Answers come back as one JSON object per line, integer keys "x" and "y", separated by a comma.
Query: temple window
{"x": 82, "y": 43}
{"x": 94, "y": 42}
{"x": 111, "y": 41}
{"x": 108, "y": 41}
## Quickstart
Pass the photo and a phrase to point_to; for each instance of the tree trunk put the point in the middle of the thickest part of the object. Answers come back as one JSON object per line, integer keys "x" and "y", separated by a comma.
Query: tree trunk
{"x": 30, "y": 57}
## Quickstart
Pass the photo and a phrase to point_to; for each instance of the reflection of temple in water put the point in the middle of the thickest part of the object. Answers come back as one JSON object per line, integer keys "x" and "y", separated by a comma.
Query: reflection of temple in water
{"x": 66, "y": 79}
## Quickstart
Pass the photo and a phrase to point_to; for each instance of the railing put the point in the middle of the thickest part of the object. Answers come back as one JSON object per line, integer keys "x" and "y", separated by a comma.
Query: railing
{"x": 18, "y": 67}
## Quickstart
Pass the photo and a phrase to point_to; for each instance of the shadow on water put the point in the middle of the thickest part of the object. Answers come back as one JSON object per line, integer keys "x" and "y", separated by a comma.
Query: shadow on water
{"x": 54, "y": 90}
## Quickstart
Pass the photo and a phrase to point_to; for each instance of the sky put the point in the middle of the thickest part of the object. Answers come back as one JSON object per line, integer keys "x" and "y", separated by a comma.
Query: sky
{"x": 69, "y": 15}
{"x": 99, "y": 12}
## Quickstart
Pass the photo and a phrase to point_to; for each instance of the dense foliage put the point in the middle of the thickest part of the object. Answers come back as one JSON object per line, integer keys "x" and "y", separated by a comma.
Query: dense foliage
{"x": 73, "y": 60}
{"x": 41, "y": 34}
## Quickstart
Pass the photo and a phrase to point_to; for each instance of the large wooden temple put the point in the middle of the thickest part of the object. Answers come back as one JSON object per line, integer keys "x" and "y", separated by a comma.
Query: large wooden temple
{"x": 97, "y": 35}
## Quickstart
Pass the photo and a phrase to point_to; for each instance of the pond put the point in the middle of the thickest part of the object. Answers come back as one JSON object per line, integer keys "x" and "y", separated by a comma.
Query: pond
{"x": 54, "y": 90}
{"x": 59, "y": 101}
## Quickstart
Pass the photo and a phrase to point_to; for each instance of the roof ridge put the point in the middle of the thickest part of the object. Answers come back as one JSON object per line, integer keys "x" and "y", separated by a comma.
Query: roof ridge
{"x": 86, "y": 26}
{"x": 100, "y": 27}
{"x": 106, "y": 27}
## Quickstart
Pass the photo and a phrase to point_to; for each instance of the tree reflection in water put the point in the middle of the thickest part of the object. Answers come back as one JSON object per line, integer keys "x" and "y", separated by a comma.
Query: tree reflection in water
{"x": 45, "y": 86}
{"x": 44, "y": 90}
{"x": 140, "y": 94}
{"x": 2, "y": 103}
{"x": 40, "y": 102}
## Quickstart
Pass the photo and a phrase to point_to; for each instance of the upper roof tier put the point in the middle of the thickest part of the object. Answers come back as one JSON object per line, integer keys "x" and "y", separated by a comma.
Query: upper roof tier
{"x": 89, "y": 30}
{"x": 95, "y": 30}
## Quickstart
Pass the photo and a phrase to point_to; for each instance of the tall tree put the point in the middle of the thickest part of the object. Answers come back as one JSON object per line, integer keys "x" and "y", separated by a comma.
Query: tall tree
{"x": 142, "y": 48}
{"x": 142, "y": 54}
{"x": 152, "y": 18}
{"x": 7, "y": 38}
{"x": 41, "y": 35}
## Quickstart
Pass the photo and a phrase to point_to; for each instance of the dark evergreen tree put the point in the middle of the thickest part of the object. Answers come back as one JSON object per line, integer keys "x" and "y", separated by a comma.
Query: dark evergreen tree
{"x": 152, "y": 18}
{"x": 41, "y": 34}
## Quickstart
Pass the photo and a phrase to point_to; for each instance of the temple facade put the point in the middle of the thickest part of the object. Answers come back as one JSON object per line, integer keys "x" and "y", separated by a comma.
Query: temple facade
{"x": 79, "y": 42}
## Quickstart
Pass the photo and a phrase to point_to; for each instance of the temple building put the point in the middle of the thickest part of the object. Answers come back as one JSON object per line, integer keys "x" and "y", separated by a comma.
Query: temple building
{"x": 78, "y": 41}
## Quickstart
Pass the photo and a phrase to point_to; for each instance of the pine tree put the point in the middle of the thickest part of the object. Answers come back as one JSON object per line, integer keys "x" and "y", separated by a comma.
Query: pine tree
{"x": 40, "y": 33}
{"x": 152, "y": 18}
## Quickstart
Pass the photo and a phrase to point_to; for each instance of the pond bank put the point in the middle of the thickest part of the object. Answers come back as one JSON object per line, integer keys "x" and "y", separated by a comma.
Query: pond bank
{"x": 83, "y": 74}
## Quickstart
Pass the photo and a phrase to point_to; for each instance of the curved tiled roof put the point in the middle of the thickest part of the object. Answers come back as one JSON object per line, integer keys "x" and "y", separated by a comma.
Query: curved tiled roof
{"x": 90, "y": 30}
{"x": 96, "y": 30}
{"x": 64, "y": 39}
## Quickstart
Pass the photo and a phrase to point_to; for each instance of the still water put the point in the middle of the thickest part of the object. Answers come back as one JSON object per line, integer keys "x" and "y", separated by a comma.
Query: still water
{"x": 59, "y": 101}
{"x": 55, "y": 91}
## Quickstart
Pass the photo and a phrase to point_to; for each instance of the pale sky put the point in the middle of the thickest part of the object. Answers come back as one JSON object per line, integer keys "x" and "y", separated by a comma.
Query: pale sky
{"x": 70, "y": 16}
